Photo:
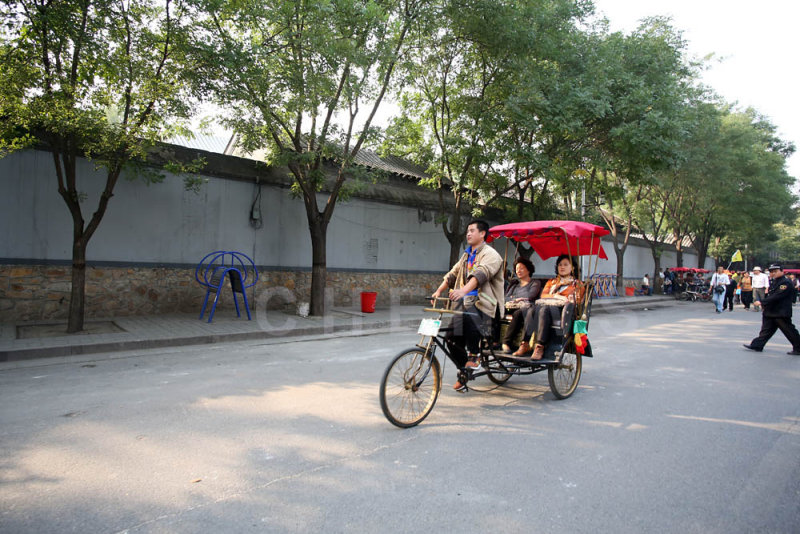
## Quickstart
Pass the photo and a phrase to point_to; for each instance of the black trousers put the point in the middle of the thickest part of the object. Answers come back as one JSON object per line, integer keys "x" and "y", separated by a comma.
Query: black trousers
{"x": 727, "y": 303}
{"x": 465, "y": 335}
{"x": 770, "y": 325}
{"x": 747, "y": 299}
{"x": 517, "y": 322}
{"x": 539, "y": 320}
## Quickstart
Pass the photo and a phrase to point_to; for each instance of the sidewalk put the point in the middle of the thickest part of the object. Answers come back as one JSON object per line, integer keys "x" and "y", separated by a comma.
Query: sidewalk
{"x": 26, "y": 341}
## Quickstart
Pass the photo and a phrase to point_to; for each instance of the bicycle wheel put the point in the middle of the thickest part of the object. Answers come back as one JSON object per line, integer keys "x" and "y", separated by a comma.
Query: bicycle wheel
{"x": 564, "y": 376}
{"x": 410, "y": 386}
{"x": 494, "y": 371}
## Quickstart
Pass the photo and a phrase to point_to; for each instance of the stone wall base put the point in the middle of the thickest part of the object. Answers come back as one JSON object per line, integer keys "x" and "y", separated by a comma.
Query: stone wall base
{"x": 41, "y": 292}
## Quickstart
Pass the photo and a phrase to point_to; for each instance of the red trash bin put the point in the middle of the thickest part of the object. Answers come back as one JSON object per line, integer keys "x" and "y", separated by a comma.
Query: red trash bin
{"x": 368, "y": 299}
{"x": 630, "y": 291}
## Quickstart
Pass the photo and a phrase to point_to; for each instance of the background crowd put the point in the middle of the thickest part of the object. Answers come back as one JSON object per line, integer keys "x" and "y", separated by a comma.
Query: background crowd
{"x": 738, "y": 287}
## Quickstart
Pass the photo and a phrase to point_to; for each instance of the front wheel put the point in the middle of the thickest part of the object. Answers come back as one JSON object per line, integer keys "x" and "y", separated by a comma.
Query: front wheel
{"x": 410, "y": 387}
{"x": 564, "y": 376}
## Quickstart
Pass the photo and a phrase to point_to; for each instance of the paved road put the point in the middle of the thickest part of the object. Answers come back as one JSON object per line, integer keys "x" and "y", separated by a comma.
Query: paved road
{"x": 675, "y": 428}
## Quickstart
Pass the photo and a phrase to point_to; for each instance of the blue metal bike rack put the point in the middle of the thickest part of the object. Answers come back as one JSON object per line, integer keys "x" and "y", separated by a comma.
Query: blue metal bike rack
{"x": 236, "y": 266}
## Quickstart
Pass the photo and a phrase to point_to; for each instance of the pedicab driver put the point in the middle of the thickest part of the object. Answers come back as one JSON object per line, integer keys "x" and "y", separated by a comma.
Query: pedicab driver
{"x": 477, "y": 278}
{"x": 777, "y": 314}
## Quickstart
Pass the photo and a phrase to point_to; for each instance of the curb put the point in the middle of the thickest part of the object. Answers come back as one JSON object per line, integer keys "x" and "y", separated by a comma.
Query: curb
{"x": 598, "y": 307}
{"x": 144, "y": 344}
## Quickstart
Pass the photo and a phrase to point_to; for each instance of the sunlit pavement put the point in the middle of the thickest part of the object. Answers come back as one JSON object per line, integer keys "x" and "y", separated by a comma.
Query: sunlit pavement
{"x": 674, "y": 428}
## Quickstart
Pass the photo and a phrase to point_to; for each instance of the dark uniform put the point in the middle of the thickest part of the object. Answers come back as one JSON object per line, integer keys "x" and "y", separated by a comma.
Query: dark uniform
{"x": 777, "y": 314}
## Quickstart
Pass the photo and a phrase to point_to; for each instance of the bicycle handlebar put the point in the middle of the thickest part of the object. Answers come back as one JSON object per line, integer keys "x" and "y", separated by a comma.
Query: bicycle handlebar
{"x": 442, "y": 310}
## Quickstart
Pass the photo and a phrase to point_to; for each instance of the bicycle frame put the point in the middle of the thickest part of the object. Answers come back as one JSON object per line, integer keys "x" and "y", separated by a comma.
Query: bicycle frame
{"x": 518, "y": 366}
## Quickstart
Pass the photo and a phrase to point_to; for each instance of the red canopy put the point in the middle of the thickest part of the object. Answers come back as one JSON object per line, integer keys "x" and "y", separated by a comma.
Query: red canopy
{"x": 679, "y": 269}
{"x": 552, "y": 238}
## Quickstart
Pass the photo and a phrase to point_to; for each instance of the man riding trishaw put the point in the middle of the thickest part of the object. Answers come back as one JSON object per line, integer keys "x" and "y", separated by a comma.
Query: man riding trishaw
{"x": 412, "y": 380}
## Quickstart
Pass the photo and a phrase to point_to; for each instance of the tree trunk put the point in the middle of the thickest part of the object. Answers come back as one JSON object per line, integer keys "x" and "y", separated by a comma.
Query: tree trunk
{"x": 455, "y": 249}
{"x": 620, "y": 253}
{"x": 656, "y": 252}
{"x": 678, "y": 250}
{"x": 454, "y": 234}
{"x": 319, "y": 266}
{"x": 656, "y": 284}
{"x": 77, "y": 300}
{"x": 521, "y": 203}
{"x": 702, "y": 253}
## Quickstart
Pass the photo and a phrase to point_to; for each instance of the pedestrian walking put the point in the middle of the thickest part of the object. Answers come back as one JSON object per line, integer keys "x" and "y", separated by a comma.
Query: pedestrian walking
{"x": 746, "y": 288}
{"x": 668, "y": 282}
{"x": 730, "y": 290}
{"x": 737, "y": 294}
{"x": 760, "y": 286}
{"x": 718, "y": 286}
{"x": 777, "y": 313}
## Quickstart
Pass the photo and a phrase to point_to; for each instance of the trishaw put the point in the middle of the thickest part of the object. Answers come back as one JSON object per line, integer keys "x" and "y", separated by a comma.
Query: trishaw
{"x": 413, "y": 379}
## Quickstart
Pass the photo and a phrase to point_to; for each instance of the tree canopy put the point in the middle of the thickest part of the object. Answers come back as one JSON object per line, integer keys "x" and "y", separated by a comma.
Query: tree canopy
{"x": 100, "y": 79}
{"x": 529, "y": 106}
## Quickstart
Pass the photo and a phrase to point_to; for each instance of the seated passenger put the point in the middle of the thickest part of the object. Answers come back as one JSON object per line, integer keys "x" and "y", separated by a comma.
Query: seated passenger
{"x": 520, "y": 295}
{"x": 556, "y": 294}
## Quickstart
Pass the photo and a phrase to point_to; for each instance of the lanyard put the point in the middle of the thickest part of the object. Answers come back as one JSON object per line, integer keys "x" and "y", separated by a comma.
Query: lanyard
{"x": 471, "y": 254}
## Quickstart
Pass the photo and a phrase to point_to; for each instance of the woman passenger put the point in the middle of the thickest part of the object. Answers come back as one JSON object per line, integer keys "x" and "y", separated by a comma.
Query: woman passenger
{"x": 556, "y": 294}
{"x": 520, "y": 295}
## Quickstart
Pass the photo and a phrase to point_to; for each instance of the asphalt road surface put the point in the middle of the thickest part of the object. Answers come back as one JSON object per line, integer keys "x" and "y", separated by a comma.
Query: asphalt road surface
{"x": 674, "y": 428}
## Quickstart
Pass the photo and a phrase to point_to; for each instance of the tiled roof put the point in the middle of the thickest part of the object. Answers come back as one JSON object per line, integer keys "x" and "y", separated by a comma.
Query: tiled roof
{"x": 392, "y": 164}
{"x": 209, "y": 143}
{"x": 365, "y": 157}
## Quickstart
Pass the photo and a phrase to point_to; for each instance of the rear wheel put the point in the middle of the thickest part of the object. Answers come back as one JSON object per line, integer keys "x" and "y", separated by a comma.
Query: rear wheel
{"x": 564, "y": 376}
{"x": 410, "y": 386}
{"x": 495, "y": 371}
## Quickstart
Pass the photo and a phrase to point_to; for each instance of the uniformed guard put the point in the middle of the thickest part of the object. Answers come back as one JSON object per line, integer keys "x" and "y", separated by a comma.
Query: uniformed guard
{"x": 777, "y": 312}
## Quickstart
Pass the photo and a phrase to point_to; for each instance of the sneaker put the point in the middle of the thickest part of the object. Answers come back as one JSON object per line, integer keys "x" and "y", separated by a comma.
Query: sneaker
{"x": 794, "y": 353}
{"x": 458, "y": 386}
{"x": 751, "y": 347}
{"x": 474, "y": 363}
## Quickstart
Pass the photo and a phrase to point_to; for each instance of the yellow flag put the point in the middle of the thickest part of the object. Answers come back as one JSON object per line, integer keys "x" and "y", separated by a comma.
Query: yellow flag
{"x": 737, "y": 256}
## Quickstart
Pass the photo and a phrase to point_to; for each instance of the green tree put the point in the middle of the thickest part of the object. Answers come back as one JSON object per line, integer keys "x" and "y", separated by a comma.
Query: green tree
{"x": 645, "y": 81}
{"x": 303, "y": 80}
{"x": 788, "y": 242}
{"x": 461, "y": 79}
{"x": 554, "y": 96}
{"x": 618, "y": 216}
{"x": 90, "y": 78}
{"x": 745, "y": 188}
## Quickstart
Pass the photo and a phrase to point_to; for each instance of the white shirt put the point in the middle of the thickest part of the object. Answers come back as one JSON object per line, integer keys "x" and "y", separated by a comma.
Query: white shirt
{"x": 720, "y": 280}
{"x": 760, "y": 281}
{"x": 646, "y": 281}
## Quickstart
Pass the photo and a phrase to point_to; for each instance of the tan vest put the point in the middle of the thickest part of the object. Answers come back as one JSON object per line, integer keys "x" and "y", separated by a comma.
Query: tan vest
{"x": 488, "y": 269}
